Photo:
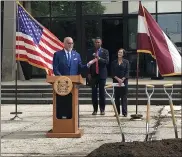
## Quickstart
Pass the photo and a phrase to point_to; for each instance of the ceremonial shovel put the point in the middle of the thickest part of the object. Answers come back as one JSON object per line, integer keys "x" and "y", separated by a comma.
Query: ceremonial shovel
{"x": 171, "y": 106}
{"x": 148, "y": 109}
{"x": 114, "y": 106}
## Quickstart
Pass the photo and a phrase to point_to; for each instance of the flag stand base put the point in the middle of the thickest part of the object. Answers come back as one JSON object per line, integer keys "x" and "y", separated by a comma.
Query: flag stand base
{"x": 16, "y": 115}
{"x": 136, "y": 117}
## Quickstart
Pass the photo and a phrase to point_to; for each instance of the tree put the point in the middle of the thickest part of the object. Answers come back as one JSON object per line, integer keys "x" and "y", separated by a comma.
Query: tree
{"x": 40, "y": 8}
{"x": 64, "y": 8}
{"x": 93, "y": 8}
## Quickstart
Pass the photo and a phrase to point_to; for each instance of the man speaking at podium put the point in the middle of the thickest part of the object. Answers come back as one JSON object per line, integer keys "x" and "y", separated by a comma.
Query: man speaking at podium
{"x": 68, "y": 61}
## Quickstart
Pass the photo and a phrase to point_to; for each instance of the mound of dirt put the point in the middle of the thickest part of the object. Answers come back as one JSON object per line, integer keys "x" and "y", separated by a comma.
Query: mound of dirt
{"x": 158, "y": 148}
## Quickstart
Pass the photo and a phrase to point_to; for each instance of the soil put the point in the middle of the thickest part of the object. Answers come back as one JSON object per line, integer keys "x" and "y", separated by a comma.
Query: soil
{"x": 157, "y": 148}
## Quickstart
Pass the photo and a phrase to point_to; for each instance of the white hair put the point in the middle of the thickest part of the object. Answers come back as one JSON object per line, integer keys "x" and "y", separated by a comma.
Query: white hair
{"x": 67, "y": 38}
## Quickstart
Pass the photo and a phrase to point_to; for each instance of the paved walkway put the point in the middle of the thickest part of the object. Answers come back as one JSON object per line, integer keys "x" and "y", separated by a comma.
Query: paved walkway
{"x": 26, "y": 137}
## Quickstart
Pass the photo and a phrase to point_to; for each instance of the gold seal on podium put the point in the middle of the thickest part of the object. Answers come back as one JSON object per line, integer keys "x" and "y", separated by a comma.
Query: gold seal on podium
{"x": 63, "y": 85}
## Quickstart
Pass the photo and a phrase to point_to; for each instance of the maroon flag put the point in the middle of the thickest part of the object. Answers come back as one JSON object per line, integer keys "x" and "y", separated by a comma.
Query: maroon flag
{"x": 151, "y": 39}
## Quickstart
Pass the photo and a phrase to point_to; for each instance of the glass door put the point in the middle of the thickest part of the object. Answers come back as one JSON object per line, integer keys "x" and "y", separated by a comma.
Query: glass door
{"x": 112, "y": 36}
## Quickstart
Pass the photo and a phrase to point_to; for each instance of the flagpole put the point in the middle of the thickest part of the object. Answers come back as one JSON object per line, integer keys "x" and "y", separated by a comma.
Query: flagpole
{"x": 137, "y": 116}
{"x": 16, "y": 77}
{"x": 157, "y": 71}
{"x": 137, "y": 83}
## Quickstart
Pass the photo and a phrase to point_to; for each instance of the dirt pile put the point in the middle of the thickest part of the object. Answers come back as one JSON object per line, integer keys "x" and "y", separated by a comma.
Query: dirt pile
{"x": 160, "y": 148}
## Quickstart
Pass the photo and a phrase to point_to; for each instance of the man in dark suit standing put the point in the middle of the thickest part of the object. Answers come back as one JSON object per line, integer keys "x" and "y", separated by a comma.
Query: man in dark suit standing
{"x": 97, "y": 75}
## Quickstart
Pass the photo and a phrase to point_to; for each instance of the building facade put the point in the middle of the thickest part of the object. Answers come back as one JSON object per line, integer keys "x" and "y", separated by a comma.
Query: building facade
{"x": 114, "y": 21}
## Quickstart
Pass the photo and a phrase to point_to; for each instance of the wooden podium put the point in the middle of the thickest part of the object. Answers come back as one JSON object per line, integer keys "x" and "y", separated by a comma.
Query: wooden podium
{"x": 65, "y": 110}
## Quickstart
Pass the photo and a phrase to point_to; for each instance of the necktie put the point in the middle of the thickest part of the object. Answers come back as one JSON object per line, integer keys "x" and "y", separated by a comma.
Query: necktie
{"x": 69, "y": 59}
{"x": 97, "y": 64}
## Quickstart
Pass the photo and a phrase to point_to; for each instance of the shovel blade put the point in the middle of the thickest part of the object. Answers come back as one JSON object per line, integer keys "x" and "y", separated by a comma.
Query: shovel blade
{"x": 176, "y": 133}
{"x": 123, "y": 138}
{"x": 146, "y": 137}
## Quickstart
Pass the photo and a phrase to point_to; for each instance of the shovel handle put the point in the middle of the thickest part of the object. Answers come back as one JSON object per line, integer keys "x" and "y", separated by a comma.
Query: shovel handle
{"x": 114, "y": 85}
{"x": 174, "y": 120}
{"x": 148, "y": 117}
{"x": 150, "y": 86}
{"x": 172, "y": 113}
{"x": 148, "y": 112}
{"x": 168, "y": 85}
{"x": 108, "y": 86}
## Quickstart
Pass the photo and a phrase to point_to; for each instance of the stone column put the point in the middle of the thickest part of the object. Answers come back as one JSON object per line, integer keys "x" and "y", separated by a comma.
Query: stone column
{"x": 9, "y": 30}
{"x": 0, "y": 57}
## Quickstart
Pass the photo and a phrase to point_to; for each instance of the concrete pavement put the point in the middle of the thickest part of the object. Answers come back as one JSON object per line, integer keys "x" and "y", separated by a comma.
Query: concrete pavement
{"x": 26, "y": 137}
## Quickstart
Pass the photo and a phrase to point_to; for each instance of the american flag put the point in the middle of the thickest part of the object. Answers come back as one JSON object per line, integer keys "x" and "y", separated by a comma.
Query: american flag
{"x": 34, "y": 43}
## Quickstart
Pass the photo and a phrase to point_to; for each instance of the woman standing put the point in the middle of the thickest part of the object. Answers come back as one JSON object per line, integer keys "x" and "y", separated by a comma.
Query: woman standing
{"x": 120, "y": 74}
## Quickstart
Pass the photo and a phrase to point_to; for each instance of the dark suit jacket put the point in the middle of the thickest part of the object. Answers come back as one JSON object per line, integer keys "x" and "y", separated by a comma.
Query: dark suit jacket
{"x": 103, "y": 61}
{"x": 120, "y": 71}
{"x": 60, "y": 63}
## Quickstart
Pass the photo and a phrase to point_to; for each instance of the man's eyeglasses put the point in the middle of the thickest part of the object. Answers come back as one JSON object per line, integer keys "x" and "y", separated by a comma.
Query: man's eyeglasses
{"x": 70, "y": 43}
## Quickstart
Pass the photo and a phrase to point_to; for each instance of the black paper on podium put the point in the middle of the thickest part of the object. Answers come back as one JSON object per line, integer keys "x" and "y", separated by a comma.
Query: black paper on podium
{"x": 64, "y": 106}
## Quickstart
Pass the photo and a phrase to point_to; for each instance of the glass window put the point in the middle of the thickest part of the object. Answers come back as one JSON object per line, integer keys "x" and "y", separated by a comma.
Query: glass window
{"x": 113, "y": 7}
{"x": 91, "y": 31}
{"x": 133, "y": 6}
{"x": 112, "y": 29}
{"x": 132, "y": 58}
{"x": 44, "y": 21}
{"x": 63, "y": 28}
{"x": 40, "y": 8}
{"x": 171, "y": 25}
{"x": 169, "y": 6}
{"x": 63, "y": 8}
{"x": 103, "y": 7}
{"x": 93, "y": 8}
{"x": 146, "y": 64}
{"x": 132, "y": 30}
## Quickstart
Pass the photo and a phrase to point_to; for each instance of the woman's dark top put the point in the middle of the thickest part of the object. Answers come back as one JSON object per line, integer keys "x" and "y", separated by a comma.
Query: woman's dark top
{"x": 120, "y": 71}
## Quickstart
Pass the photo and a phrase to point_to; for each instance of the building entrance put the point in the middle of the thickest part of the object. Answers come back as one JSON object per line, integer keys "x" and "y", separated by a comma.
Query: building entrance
{"x": 112, "y": 31}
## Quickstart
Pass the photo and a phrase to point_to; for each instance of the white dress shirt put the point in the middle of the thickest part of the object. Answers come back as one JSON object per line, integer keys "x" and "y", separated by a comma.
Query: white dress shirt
{"x": 67, "y": 53}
